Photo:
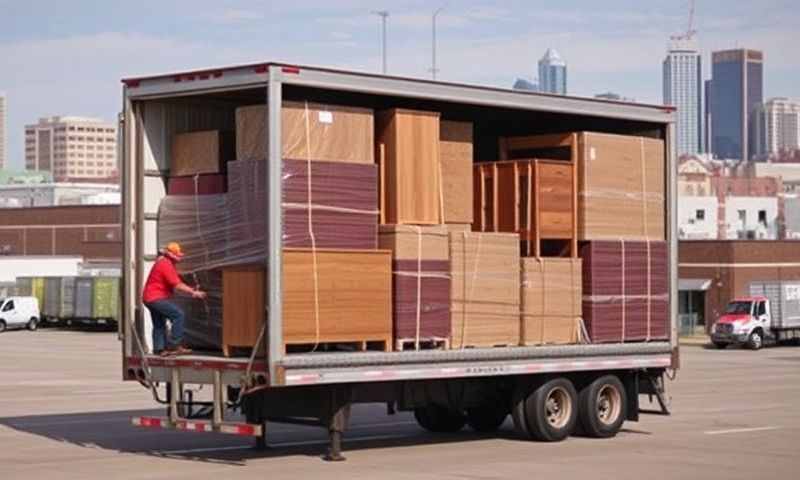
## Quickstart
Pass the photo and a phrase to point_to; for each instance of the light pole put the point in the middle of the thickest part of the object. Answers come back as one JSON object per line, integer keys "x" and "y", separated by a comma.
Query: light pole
{"x": 434, "y": 70}
{"x": 384, "y": 15}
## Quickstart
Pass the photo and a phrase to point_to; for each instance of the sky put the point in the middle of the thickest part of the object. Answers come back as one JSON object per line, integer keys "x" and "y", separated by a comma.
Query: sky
{"x": 66, "y": 58}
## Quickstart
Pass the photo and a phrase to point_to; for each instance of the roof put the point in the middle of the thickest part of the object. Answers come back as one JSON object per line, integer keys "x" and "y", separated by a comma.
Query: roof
{"x": 262, "y": 68}
{"x": 553, "y": 58}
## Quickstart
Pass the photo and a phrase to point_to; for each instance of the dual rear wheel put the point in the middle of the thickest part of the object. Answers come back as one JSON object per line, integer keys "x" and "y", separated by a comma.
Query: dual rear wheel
{"x": 554, "y": 410}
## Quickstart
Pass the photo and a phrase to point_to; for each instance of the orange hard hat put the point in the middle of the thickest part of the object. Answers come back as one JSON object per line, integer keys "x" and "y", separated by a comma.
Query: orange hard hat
{"x": 174, "y": 249}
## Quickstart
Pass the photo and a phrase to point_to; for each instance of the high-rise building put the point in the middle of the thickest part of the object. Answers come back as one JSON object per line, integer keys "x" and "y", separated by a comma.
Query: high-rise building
{"x": 72, "y": 148}
{"x": 707, "y": 120}
{"x": 682, "y": 82}
{"x": 3, "y": 144}
{"x": 552, "y": 73}
{"x": 778, "y": 126}
{"x": 737, "y": 92}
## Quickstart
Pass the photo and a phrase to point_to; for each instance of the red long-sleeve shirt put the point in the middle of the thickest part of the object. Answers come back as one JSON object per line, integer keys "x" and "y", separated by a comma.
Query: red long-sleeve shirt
{"x": 161, "y": 281}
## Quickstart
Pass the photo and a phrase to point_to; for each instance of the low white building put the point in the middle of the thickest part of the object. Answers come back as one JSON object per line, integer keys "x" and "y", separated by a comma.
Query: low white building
{"x": 58, "y": 194}
{"x": 697, "y": 217}
{"x": 751, "y": 218}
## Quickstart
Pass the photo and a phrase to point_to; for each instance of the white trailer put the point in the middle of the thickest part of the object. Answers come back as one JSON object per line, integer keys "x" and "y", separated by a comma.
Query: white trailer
{"x": 546, "y": 389}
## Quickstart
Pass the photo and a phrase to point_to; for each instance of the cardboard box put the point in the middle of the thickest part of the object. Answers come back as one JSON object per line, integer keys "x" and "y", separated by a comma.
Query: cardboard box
{"x": 411, "y": 242}
{"x": 456, "y": 154}
{"x": 201, "y": 152}
{"x": 551, "y": 300}
{"x": 485, "y": 277}
{"x": 407, "y": 149}
{"x": 335, "y": 133}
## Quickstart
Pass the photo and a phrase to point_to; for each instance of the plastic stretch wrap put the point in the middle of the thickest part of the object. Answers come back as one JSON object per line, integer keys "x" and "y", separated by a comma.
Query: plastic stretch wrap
{"x": 342, "y": 199}
{"x": 625, "y": 291}
{"x": 551, "y": 300}
{"x": 485, "y": 275}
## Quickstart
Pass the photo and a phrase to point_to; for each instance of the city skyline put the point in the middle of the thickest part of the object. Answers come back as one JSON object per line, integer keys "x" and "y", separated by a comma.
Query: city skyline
{"x": 3, "y": 140}
{"x": 609, "y": 47}
{"x": 552, "y": 73}
{"x": 683, "y": 84}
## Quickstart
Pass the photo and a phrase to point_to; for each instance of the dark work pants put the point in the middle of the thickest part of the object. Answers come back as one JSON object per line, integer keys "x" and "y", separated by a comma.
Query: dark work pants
{"x": 160, "y": 311}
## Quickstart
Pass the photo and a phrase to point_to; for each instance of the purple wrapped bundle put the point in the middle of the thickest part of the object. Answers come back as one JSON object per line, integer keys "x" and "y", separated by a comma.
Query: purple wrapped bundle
{"x": 625, "y": 288}
{"x": 434, "y": 299}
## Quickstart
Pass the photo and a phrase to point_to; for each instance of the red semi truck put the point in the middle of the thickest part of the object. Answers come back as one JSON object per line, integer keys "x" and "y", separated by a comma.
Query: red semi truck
{"x": 548, "y": 390}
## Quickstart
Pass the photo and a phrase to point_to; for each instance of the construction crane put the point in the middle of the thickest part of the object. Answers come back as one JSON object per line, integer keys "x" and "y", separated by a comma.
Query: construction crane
{"x": 690, "y": 31}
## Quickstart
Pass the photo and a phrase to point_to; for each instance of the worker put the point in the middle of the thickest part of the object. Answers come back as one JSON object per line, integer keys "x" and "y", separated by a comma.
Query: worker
{"x": 162, "y": 282}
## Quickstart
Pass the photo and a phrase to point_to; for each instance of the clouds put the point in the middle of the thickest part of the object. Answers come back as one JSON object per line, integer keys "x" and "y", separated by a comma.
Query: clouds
{"x": 70, "y": 62}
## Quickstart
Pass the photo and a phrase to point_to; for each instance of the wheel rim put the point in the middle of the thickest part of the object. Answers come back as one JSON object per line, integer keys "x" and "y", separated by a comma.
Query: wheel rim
{"x": 609, "y": 404}
{"x": 756, "y": 340}
{"x": 558, "y": 407}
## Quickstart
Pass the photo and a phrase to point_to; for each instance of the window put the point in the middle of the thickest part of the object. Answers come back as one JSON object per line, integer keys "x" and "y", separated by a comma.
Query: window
{"x": 72, "y": 129}
{"x": 762, "y": 308}
{"x": 700, "y": 214}
{"x": 762, "y": 216}
{"x": 9, "y": 306}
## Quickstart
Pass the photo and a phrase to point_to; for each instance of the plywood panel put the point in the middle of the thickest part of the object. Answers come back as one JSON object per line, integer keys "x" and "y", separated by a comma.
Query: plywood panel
{"x": 243, "y": 290}
{"x": 354, "y": 296}
{"x": 411, "y": 242}
{"x": 410, "y": 141}
{"x": 550, "y": 300}
{"x": 456, "y": 153}
{"x": 200, "y": 152}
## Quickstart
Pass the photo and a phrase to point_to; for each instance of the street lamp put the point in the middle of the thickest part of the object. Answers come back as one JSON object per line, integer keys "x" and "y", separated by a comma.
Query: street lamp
{"x": 434, "y": 70}
{"x": 384, "y": 15}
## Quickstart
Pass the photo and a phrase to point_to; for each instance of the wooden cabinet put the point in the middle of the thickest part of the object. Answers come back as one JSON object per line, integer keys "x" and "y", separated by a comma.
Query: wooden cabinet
{"x": 407, "y": 149}
{"x": 243, "y": 313}
{"x": 534, "y": 198}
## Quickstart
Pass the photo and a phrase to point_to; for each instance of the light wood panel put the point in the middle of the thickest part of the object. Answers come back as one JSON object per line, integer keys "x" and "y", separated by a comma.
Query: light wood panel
{"x": 409, "y": 140}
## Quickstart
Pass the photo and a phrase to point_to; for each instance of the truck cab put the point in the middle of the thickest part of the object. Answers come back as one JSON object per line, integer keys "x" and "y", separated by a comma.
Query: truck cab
{"x": 746, "y": 321}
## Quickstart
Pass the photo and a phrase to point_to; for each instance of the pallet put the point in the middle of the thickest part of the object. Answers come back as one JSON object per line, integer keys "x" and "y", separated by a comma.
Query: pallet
{"x": 366, "y": 345}
{"x": 434, "y": 343}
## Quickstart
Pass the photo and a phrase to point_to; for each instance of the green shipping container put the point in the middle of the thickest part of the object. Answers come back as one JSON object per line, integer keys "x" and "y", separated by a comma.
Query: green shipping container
{"x": 37, "y": 287}
{"x": 24, "y": 286}
{"x": 106, "y": 298}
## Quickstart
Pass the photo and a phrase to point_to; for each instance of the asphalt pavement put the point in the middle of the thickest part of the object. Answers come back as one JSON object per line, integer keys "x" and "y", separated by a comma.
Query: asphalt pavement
{"x": 64, "y": 413}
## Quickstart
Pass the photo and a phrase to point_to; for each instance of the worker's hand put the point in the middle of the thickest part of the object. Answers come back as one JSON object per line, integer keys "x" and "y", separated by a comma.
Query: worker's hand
{"x": 198, "y": 294}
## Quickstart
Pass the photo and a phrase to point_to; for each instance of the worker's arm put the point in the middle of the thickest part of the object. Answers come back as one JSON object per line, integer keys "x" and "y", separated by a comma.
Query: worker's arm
{"x": 182, "y": 287}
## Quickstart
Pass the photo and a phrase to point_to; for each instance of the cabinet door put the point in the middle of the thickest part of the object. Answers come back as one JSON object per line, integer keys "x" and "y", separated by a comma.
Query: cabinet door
{"x": 243, "y": 291}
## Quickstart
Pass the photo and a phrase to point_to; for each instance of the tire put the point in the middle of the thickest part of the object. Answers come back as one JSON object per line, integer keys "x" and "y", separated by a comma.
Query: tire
{"x": 2, "y": 326}
{"x": 756, "y": 340}
{"x": 486, "y": 418}
{"x": 32, "y": 324}
{"x": 720, "y": 345}
{"x": 551, "y": 411}
{"x": 518, "y": 411}
{"x": 437, "y": 419}
{"x": 602, "y": 406}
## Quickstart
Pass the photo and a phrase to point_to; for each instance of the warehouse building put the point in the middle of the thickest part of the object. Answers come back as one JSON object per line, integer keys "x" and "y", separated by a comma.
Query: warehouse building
{"x": 58, "y": 194}
{"x": 714, "y": 272}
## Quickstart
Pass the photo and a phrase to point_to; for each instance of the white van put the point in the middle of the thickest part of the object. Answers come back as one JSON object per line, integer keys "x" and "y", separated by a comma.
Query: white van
{"x": 19, "y": 312}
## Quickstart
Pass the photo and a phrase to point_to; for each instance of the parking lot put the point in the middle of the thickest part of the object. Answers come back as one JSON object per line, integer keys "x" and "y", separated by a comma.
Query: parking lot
{"x": 64, "y": 413}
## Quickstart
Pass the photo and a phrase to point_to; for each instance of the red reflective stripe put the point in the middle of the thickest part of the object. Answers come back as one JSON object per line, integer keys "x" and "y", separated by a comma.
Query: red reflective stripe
{"x": 293, "y": 70}
{"x": 261, "y": 69}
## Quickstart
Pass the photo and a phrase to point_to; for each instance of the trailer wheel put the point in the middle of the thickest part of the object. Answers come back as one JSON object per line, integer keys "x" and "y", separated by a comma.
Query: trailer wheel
{"x": 552, "y": 410}
{"x": 2, "y": 326}
{"x": 438, "y": 419}
{"x": 486, "y": 418}
{"x": 756, "y": 340}
{"x": 601, "y": 407}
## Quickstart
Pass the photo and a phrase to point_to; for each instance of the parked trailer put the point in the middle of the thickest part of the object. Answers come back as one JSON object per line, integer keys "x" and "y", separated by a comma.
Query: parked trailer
{"x": 600, "y": 383}
{"x": 87, "y": 301}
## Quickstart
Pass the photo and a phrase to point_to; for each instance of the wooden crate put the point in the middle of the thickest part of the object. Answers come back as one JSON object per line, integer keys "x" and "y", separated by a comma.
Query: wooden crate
{"x": 201, "y": 152}
{"x": 535, "y": 198}
{"x": 620, "y": 181}
{"x": 407, "y": 148}
{"x": 354, "y": 295}
{"x": 336, "y": 133}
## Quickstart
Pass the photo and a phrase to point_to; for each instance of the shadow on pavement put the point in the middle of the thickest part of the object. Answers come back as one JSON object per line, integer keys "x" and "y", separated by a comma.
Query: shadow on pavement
{"x": 112, "y": 430}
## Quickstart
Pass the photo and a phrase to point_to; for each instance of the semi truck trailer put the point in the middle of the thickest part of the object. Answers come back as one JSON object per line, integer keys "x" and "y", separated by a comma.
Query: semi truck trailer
{"x": 548, "y": 390}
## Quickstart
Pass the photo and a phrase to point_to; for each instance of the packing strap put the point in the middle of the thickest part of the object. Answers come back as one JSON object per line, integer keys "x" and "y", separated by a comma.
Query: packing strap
{"x": 622, "y": 245}
{"x": 310, "y": 216}
{"x": 473, "y": 282}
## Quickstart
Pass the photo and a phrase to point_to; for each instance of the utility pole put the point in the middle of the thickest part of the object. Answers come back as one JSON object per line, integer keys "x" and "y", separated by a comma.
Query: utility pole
{"x": 435, "y": 70}
{"x": 384, "y": 15}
